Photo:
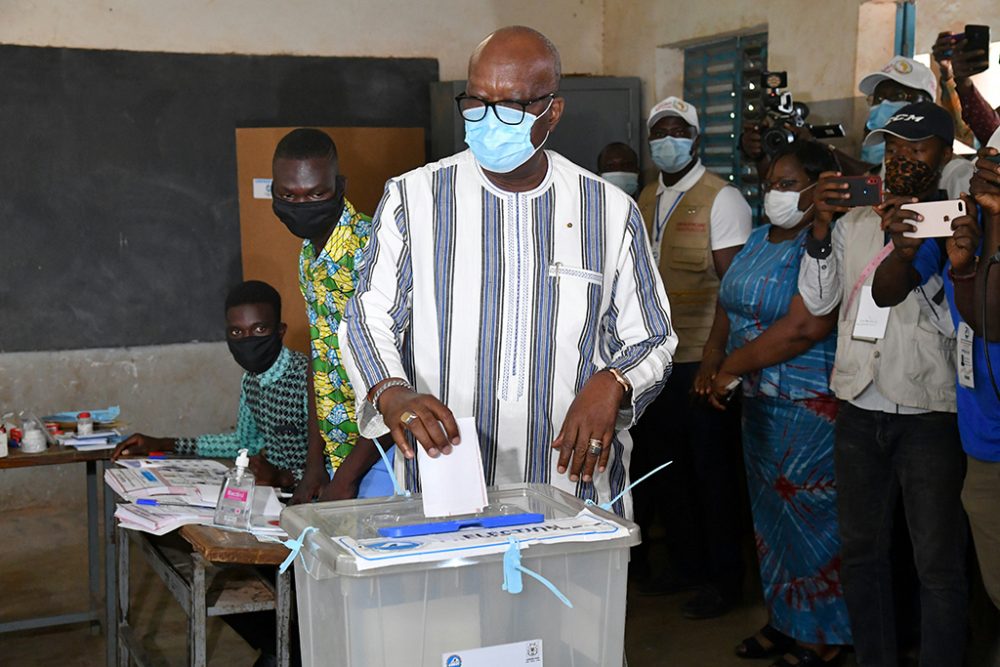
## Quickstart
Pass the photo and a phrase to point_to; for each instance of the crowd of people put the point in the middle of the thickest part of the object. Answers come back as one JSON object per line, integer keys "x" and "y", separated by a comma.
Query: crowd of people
{"x": 838, "y": 339}
{"x": 596, "y": 329}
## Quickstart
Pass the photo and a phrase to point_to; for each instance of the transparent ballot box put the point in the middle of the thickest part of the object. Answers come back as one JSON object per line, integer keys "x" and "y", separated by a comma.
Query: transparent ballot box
{"x": 365, "y": 600}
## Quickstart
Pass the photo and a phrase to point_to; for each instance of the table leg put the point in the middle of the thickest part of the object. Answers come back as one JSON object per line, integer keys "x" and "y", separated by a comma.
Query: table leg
{"x": 197, "y": 614}
{"x": 93, "y": 542}
{"x": 283, "y": 614}
{"x": 122, "y": 574}
{"x": 111, "y": 575}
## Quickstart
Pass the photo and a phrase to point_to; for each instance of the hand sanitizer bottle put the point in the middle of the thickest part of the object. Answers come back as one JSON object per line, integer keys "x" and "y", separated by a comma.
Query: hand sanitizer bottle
{"x": 236, "y": 497}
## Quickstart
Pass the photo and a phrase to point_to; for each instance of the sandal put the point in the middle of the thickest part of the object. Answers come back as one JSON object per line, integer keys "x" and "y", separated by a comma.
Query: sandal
{"x": 752, "y": 649}
{"x": 807, "y": 658}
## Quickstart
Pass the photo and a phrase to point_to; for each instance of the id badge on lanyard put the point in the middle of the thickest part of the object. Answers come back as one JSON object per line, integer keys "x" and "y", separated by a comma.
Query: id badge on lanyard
{"x": 964, "y": 336}
{"x": 871, "y": 322}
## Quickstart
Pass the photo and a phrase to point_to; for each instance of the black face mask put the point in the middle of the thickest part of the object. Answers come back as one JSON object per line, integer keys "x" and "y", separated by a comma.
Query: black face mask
{"x": 314, "y": 219}
{"x": 256, "y": 353}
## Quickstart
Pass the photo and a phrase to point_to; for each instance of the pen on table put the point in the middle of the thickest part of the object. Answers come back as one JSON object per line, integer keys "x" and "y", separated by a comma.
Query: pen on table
{"x": 153, "y": 502}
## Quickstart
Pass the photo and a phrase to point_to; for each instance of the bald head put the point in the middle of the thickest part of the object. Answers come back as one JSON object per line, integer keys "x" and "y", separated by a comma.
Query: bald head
{"x": 519, "y": 54}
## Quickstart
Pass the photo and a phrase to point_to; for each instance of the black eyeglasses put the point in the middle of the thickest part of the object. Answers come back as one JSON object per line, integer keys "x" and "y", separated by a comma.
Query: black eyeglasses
{"x": 509, "y": 112}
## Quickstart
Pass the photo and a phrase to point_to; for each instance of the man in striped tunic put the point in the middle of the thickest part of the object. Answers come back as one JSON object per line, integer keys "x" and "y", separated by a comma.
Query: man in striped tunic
{"x": 507, "y": 284}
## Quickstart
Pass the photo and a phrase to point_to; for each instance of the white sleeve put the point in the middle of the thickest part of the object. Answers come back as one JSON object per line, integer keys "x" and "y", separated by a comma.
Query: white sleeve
{"x": 820, "y": 284}
{"x": 731, "y": 219}
{"x": 956, "y": 175}
{"x": 377, "y": 317}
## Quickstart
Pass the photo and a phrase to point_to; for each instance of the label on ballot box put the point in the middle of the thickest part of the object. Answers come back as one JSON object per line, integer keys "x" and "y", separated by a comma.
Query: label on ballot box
{"x": 378, "y": 552}
{"x": 527, "y": 653}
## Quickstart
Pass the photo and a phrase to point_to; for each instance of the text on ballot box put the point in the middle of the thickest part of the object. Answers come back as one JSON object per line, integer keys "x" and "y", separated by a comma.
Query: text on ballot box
{"x": 370, "y": 601}
{"x": 518, "y": 654}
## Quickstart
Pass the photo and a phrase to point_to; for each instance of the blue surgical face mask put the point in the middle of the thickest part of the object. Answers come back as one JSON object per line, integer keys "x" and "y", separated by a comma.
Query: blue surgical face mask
{"x": 671, "y": 154}
{"x": 626, "y": 180}
{"x": 880, "y": 114}
{"x": 873, "y": 154}
{"x": 502, "y": 148}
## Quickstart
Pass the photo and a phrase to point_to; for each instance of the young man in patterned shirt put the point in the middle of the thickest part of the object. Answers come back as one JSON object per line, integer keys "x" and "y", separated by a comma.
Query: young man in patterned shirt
{"x": 273, "y": 415}
{"x": 308, "y": 197}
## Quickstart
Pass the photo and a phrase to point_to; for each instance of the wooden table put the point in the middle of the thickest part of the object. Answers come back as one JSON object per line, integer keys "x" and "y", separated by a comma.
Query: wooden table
{"x": 215, "y": 578}
{"x": 95, "y": 463}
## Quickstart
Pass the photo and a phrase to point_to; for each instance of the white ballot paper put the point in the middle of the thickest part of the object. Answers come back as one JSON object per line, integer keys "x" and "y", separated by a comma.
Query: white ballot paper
{"x": 872, "y": 319}
{"x": 454, "y": 483}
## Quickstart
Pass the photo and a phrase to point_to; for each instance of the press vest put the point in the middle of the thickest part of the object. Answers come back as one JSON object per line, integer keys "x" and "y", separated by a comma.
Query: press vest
{"x": 685, "y": 261}
{"x": 914, "y": 364}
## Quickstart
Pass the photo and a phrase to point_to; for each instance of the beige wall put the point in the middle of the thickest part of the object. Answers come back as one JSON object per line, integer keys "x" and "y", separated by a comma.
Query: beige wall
{"x": 818, "y": 69}
{"x": 442, "y": 29}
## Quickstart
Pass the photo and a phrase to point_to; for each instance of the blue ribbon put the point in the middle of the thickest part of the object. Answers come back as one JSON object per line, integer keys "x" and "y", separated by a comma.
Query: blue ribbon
{"x": 295, "y": 546}
{"x": 607, "y": 506}
{"x": 399, "y": 491}
{"x": 512, "y": 569}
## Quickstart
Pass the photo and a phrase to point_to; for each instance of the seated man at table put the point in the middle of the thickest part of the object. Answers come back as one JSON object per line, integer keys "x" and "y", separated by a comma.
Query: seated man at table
{"x": 273, "y": 411}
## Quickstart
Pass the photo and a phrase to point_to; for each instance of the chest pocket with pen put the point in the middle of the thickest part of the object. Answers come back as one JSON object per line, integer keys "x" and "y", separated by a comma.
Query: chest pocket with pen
{"x": 560, "y": 271}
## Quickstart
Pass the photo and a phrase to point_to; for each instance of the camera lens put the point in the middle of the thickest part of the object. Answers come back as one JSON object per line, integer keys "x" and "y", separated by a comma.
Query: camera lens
{"x": 775, "y": 139}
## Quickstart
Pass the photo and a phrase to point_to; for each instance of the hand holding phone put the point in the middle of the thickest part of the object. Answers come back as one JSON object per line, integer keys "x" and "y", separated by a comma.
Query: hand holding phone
{"x": 937, "y": 218}
{"x": 863, "y": 190}
{"x": 972, "y": 53}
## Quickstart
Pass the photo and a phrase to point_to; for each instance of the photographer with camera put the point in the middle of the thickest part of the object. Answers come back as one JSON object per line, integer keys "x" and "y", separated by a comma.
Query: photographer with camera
{"x": 958, "y": 61}
{"x": 896, "y": 432}
{"x": 901, "y": 82}
{"x": 697, "y": 223}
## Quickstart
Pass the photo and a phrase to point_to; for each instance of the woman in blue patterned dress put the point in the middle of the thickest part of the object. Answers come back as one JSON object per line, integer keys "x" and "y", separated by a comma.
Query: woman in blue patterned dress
{"x": 782, "y": 356}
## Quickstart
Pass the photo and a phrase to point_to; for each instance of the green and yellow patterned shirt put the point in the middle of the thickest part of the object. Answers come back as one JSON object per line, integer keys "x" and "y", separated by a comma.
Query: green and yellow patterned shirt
{"x": 327, "y": 282}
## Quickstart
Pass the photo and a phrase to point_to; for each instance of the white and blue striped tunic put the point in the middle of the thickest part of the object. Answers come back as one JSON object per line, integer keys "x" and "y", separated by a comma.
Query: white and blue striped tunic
{"x": 503, "y": 305}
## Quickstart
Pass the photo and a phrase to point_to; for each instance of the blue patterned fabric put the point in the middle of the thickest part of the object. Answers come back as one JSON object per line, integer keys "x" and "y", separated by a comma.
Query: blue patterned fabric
{"x": 756, "y": 292}
{"x": 788, "y": 415}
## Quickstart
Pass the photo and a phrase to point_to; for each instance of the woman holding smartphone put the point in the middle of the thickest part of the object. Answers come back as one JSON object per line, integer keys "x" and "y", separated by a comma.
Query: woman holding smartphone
{"x": 780, "y": 357}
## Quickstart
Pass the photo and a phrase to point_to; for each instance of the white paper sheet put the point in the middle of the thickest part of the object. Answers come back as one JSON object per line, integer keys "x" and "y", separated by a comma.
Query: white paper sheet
{"x": 453, "y": 484}
{"x": 872, "y": 319}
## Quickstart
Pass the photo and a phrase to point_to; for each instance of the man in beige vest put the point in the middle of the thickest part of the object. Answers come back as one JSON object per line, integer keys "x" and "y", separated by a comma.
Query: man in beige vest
{"x": 896, "y": 433}
{"x": 697, "y": 223}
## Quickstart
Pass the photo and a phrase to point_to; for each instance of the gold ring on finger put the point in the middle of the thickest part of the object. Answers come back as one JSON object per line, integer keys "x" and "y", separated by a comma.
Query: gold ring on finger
{"x": 596, "y": 447}
{"x": 407, "y": 418}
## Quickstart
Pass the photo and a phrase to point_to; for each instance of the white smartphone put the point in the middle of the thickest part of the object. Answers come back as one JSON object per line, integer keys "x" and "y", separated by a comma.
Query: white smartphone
{"x": 938, "y": 216}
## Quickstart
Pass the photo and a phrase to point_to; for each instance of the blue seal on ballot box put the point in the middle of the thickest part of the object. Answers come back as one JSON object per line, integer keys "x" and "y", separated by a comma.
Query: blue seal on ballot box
{"x": 454, "y": 661}
{"x": 394, "y": 545}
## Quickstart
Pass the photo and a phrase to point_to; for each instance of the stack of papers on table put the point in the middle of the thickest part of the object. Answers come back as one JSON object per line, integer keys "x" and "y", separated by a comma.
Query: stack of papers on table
{"x": 169, "y": 476}
{"x": 166, "y": 494}
{"x": 98, "y": 440}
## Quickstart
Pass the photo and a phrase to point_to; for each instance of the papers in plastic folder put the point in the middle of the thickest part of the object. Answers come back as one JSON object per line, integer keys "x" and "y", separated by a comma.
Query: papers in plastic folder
{"x": 454, "y": 484}
{"x": 386, "y": 552}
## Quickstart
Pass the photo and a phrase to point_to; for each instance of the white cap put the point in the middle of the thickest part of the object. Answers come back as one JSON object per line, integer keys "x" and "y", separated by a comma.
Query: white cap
{"x": 242, "y": 460}
{"x": 674, "y": 106}
{"x": 905, "y": 71}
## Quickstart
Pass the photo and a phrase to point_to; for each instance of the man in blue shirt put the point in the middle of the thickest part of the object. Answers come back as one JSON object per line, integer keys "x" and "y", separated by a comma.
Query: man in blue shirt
{"x": 978, "y": 400}
{"x": 966, "y": 289}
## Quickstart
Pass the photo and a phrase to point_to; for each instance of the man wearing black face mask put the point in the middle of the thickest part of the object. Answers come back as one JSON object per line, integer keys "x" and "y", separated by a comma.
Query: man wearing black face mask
{"x": 896, "y": 432}
{"x": 272, "y": 410}
{"x": 309, "y": 198}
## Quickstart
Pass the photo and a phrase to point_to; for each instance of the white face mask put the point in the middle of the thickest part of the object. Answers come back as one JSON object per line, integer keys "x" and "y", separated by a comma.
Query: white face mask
{"x": 782, "y": 208}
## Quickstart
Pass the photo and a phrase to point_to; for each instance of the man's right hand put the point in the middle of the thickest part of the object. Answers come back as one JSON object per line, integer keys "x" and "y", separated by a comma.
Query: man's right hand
{"x": 897, "y": 220}
{"x": 828, "y": 193}
{"x": 138, "y": 444}
{"x": 423, "y": 415}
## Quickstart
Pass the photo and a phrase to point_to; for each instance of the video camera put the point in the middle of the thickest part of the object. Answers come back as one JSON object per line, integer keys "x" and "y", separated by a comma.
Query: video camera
{"x": 779, "y": 107}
